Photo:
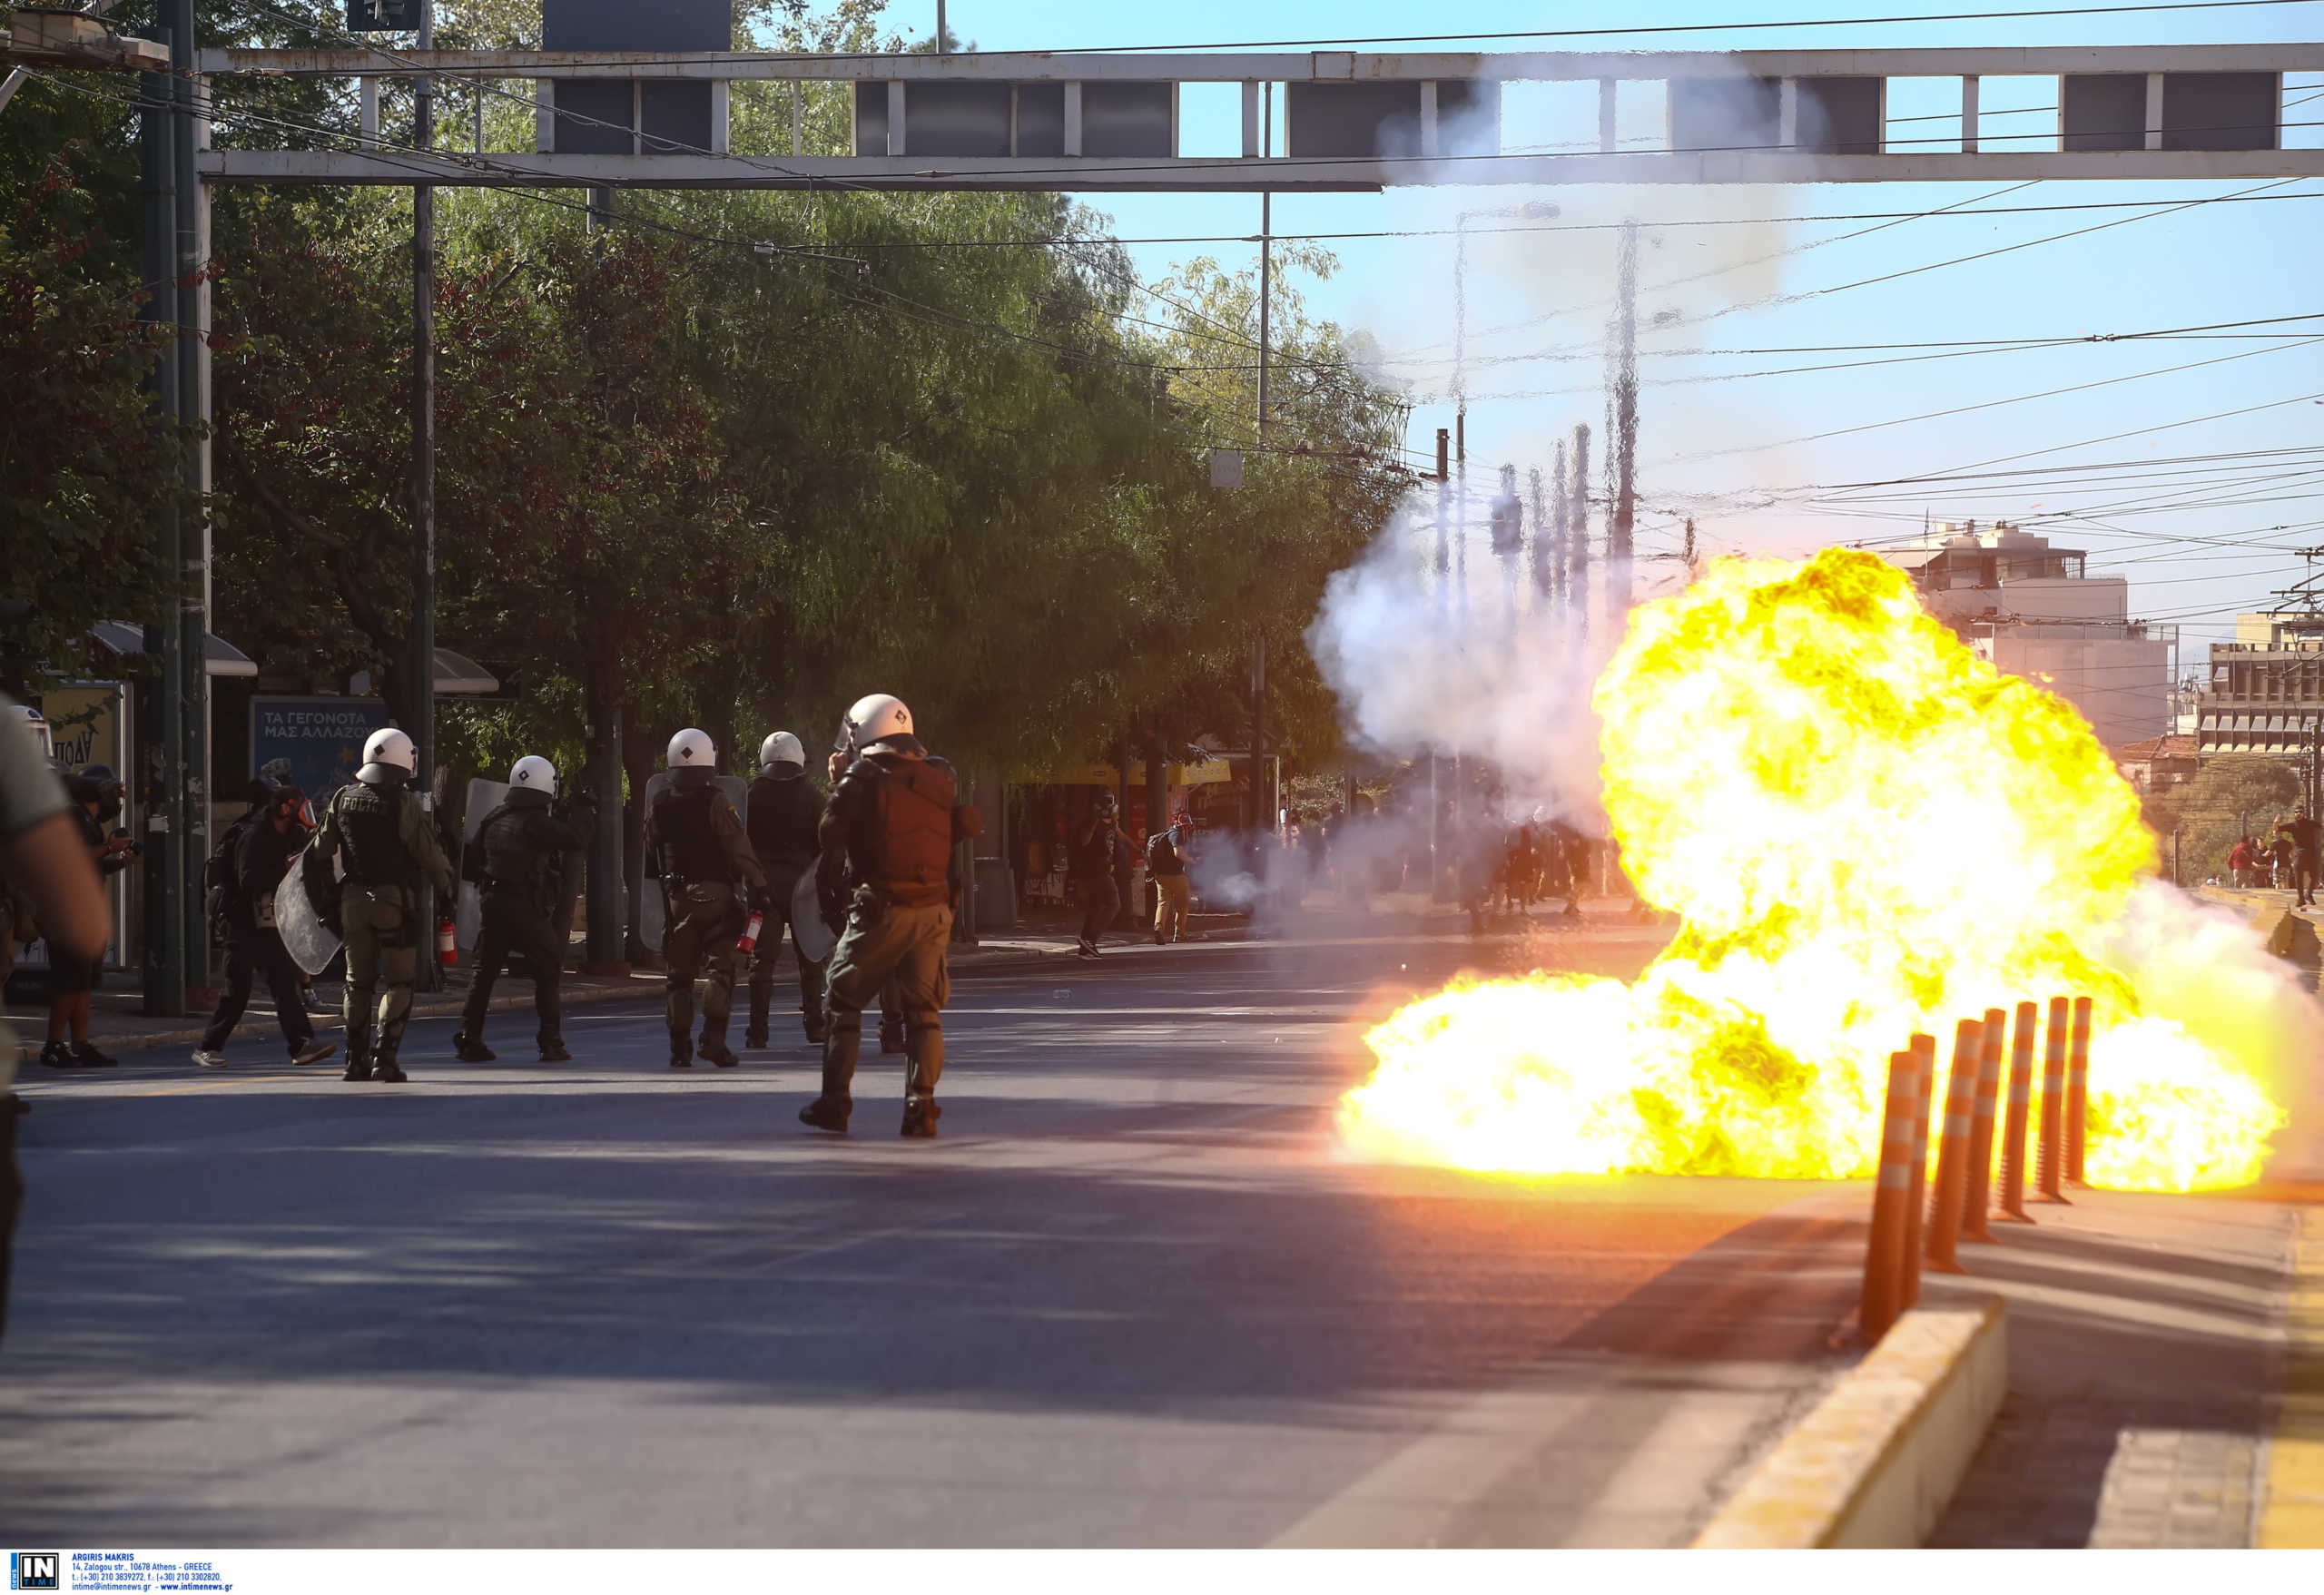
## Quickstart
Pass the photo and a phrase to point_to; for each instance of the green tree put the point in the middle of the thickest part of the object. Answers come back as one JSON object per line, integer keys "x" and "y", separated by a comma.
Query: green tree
{"x": 85, "y": 479}
{"x": 2235, "y": 796}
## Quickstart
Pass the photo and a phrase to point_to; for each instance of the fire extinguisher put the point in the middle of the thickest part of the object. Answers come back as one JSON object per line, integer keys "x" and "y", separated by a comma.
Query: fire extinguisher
{"x": 748, "y": 941}
{"x": 447, "y": 947}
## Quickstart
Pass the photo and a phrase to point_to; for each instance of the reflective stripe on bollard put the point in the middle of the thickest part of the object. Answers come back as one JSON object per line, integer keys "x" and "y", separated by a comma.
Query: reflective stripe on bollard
{"x": 1976, "y": 1193}
{"x": 1892, "y": 1194}
{"x": 1953, "y": 1147}
{"x": 2077, "y": 1089}
{"x": 2021, "y": 1098}
{"x": 2050, "y": 1161}
{"x": 1924, "y": 1050}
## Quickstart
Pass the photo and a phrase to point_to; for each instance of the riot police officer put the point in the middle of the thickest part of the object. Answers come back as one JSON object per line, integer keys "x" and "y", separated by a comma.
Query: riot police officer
{"x": 381, "y": 836}
{"x": 518, "y": 863}
{"x": 784, "y": 809}
{"x": 699, "y": 841}
{"x": 896, "y": 815}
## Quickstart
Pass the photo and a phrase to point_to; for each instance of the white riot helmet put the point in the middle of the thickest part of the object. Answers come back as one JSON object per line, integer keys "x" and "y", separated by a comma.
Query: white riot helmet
{"x": 534, "y": 773}
{"x": 692, "y": 749}
{"x": 874, "y": 719}
{"x": 389, "y": 746}
{"x": 782, "y": 748}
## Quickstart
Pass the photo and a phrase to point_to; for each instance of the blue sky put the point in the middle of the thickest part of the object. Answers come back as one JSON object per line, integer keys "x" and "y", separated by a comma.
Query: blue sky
{"x": 1536, "y": 308}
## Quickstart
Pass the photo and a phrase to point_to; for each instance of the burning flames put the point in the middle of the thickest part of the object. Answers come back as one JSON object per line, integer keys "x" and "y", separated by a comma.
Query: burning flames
{"x": 1867, "y": 831}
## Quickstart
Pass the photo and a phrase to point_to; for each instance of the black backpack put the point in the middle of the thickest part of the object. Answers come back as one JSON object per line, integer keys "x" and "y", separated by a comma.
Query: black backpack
{"x": 218, "y": 887}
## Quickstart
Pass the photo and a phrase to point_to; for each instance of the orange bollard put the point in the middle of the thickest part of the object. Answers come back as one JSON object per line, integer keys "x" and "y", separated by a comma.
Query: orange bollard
{"x": 1953, "y": 1148}
{"x": 1977, "y": 1192}
{"x": 2051, "y": 1162}
{"x": 2077, "y": 1089}
{"x": 1892, "y": 1193}
{"x": 2021, "y": 1098}
{"x": 1924, "y": 1050}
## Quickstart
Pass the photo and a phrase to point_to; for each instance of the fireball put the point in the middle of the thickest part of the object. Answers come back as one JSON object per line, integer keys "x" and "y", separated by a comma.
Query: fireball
{"x": 1867, "y": 831}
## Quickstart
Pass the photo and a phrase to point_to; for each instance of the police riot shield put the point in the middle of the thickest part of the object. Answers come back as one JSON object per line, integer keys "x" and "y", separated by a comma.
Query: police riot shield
{"x": 813, "y": 937}
{"x": 468, "y": 918}
{"x": 311, "y": 942}
{"x": 651, "y": 913}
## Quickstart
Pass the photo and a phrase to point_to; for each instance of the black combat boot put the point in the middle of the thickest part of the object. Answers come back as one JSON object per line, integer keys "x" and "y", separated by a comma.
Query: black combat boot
{"x": 470, "y": 1049}
{"x": 359, "y": 1064}
{"x": 553, "y": 1051}
{"x": 755, "y": 1034}
{"x": 829, "y": 1110}
{"x": 681, "y": 1050}
{"x": 828, "y": 1113}
{"x": 715, "y": 1050}
{"x": 384, "y": 1070}
{"x": 920, "y": 1114}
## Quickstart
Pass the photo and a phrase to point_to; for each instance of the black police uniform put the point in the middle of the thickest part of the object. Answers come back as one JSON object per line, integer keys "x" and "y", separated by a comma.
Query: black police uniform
{"x": 254, "y": 950}
{"x": 518, "y": 863}
{"x": 784, "y": 809}
{"x": 703, "y": 850}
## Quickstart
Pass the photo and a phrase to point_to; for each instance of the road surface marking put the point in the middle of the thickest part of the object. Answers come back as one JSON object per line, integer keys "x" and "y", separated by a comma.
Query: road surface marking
{"x": 2292, "y": 1511}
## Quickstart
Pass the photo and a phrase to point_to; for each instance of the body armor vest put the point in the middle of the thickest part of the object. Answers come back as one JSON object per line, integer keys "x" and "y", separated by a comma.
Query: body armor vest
{"x": 369, "y": 818}
{"x": 689, "y": 846}
{"x": 514, "y": 859}
{"x": 911, "y": 831}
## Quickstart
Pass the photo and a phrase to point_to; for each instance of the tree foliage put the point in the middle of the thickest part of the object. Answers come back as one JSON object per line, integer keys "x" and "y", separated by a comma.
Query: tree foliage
{"x": 737, "y": 458}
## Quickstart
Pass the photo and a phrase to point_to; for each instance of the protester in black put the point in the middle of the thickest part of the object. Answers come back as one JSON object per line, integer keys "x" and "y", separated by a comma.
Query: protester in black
{"x": 518, "y": 863}
{"x": 260, "y": 855}
{"x": 1103, "y": 848}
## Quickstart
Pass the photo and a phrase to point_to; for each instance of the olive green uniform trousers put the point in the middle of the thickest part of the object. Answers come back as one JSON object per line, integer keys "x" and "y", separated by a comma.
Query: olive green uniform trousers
{"x": 699, "y": 937}
{"x": 907, "y": 946}
{"x": 379, "y": 927}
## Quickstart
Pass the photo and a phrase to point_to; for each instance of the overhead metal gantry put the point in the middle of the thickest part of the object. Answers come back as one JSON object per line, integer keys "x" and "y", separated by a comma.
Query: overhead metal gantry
{"x": 1351, "y": 120}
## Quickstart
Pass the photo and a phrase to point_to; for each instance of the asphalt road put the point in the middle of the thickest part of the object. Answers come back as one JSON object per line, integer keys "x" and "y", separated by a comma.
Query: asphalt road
{"x": 1136, "y": 1295}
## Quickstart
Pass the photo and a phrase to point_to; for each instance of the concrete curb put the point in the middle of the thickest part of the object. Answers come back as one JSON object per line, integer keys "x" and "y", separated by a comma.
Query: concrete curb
{"x": 1875, "y": 1464}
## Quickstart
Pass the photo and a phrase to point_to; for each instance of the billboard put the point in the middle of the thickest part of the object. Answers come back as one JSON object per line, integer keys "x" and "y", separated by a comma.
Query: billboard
{"x": 321, "y": 738}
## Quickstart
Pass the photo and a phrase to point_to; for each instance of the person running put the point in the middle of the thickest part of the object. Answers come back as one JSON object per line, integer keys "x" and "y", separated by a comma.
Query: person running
{"x": 1097, "y": 858}
{"x": 2305, "y": 835}
{"x": 1165, "y": 866}
{"x": 261, "y": 857}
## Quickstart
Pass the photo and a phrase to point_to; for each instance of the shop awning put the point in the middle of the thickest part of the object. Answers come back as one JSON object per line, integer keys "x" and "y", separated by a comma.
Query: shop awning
{"x": 1212, "y": 771}
{"x": 455, "y": 674}
{"x": 218, "y": 658}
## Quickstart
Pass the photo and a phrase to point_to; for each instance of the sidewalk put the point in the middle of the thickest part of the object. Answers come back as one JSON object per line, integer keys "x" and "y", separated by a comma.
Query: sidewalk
{"x": 2148, "y": 1356}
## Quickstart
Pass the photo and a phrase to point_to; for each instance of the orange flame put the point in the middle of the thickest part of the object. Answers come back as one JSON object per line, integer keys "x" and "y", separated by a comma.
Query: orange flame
{"x": 1867, "y": 831}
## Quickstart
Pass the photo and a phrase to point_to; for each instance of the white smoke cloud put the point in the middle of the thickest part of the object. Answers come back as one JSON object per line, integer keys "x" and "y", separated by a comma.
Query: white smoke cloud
{"x": 1487, "y": 668}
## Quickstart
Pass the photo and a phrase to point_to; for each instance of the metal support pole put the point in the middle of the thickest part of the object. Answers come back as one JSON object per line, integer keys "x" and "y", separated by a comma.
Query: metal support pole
{"x": 191, "y": 314}
{"x": 1258, "y": 815}
{"x": 1625, "y": 461}
{"x": 422, "y": 645}
{"x": 1577, "y": 565}
{"x": 160, "y": 773}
